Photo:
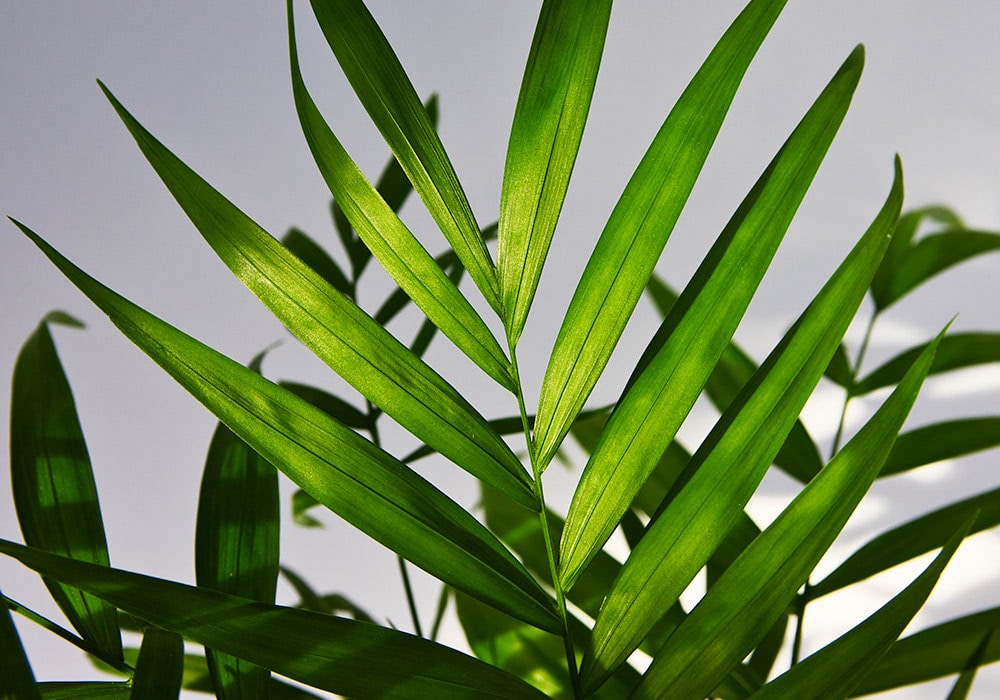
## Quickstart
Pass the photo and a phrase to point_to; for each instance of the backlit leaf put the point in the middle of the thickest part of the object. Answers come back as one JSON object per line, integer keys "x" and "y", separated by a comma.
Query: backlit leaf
{"x": 160, "y": 668}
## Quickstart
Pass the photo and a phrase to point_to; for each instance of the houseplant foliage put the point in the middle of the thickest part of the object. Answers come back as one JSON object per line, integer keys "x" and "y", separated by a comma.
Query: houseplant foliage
{"x": 546, "y": 609}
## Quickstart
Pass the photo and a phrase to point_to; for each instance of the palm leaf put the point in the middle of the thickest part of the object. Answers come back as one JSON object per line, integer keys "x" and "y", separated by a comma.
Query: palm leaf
{"x": 548, "y": 124}
{"x": 329, "y": 653}
{"x": 17, "y": 679}
{"x": 639, "y": 226}
{"x": 52, "y": 480}
{"x": 343, "y": 471}
{"x": 684, "y": 351}
{"x": 160, "y": 667}
{"x": 343, "y": 336}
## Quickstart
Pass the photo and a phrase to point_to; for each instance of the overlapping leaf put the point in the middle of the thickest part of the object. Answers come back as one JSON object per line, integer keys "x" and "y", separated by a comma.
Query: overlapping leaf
{"x": 945, "y": 440}
{"x": 160, "y": 667}
{"x": 548, "y": 124}
{"x": 342, "y": 335}
{"x": 381, "y": 84}
{"x": 732, "y": 460}
{"x": 17, "y": 679}
{"x": 345, "y": 472}
{"x": 387, "y": 237}
{"x": 53, "y": 483}
{"x": 237, "y": 546}
{"x": 330, "y": 653}
{"x": 836, "y": 669}
{"x": 685, "y": 349}
{"x": 639, "y": 226}
{"x": 757, "y": 589}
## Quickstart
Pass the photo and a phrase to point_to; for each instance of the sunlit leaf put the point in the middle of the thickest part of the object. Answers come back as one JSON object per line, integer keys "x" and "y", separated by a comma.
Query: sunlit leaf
{"x": 345, "y": 472}
{"x": 911, "y": 539}
{"x": 758, "y": 588}
{"x": 957, "y": 351}
{"x": 639, "y": 226}
{"x": 380, "y": 82}
{"x": 327, "y": 652}
{"x": 160, "y": 667}
{"x": 551, "y": 112}
{"x": 684, "y": 351}
{"x": 836, "y": 669}
{"x": 340, "y": 333}
{"x": 938, "y": 651}
{"x": 389, "y": 240}
{"x": 237, "y": 545}
{"x": 55, "y": 496}
{"x": 309, "y": 252}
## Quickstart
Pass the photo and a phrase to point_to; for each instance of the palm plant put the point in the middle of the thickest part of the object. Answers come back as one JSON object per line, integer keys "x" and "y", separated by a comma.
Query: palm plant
{"x": 546, "y": 608}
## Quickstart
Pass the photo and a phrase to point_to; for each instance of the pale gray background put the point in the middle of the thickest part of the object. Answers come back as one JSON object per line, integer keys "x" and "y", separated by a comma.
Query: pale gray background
{"x": 210, "y": 80}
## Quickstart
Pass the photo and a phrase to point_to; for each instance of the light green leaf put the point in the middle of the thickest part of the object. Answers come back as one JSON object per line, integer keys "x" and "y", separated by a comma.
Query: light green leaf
{"x": 551, "y": 112}
{"x": 348, "y": 474}
{"x": 836, "y": 669}
{"x": 340, "y": 333}
{"x": 327, "y": 652}
{"x": 332, "y": 405}
{"x": 685, "y": 349}
{"x": 639, "y": 226}
{"x": 237, "y": 546}
{"x": 17, "y": 680}
{"x": 957, "y": 351}
{"x": 911, "y": 539}
{"x": 938, "y": 651}
{"x": 757, "y": 589}
{"x": 734, "y": 457}
{"x": 381, "y": 84}
{"x": 387, "y": 237}
{"x": 160, "y": 668}
{"x": 55, "y": 496}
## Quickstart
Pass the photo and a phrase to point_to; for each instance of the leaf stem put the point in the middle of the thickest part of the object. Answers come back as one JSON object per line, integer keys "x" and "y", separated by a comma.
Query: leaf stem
{"x": 550, "y": 550}
{"x": 409, "y": 596}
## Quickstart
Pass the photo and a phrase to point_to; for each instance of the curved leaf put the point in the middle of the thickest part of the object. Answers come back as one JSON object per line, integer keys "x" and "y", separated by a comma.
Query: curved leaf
{"x": 346, "y": 473}
{"x": 340, "y": 333}
{"x": 381, "y": 84}
{"x": 237, "y": 546}
{"x": 387, "y": 237}
{"x": 911, "y": 539}
{"x": 756, "y": 590}
{"x": 639, "y": 226}
{"x": 937, "y": 651}
{"x": 836, "y": 669}
{"x": 946, "y": 440}
{"x": 331, "y": 653}
{"x": 53, "y": 483}
{"x": 957, "y": 351}
{"x": 685, "y": 349}
{"x": 551, "y": 112}
{"x": 160, "y": 667}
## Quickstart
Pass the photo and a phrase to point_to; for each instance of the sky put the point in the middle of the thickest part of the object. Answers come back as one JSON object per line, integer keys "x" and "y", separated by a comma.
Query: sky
{"x": 211, "y": 81}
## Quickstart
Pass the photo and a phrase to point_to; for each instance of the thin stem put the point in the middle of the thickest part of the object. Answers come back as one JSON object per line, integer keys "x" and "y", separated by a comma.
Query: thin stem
{"x": 574, "y": 673}
{"x": 799, "y": 621}
{"x": 439, "y": 614}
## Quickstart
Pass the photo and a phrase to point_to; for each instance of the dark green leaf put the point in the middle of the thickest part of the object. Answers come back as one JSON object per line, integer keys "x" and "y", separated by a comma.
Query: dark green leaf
{"x": 331, "y": 653}
{"x": 307, "y": 250}
{"x": 160, "y": 667}
{"x": 381, "y": 84}
{"x": 551, "y": 112}
{"x": 836, "y": 669}
{"x": 389, "y": 240}
{"x": 237, "y": 546}
{"x": 938, "y": 651}
{"x": 340, "y": 333}
{"x": 684, "y": 351}
{"x": 332, "y": 405}
{"x": 348, "y": 474}
{"x": 911, "y": 539}
{"x": 957, "y": 351}
{"x": 53, "y": 483}
{"x": 639, "y": 226}
{"x": 947, "y": 440}
{"x": 756, "y": 590}
{"x": 16, "y": 680}
{"x": 327, "y": 604}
